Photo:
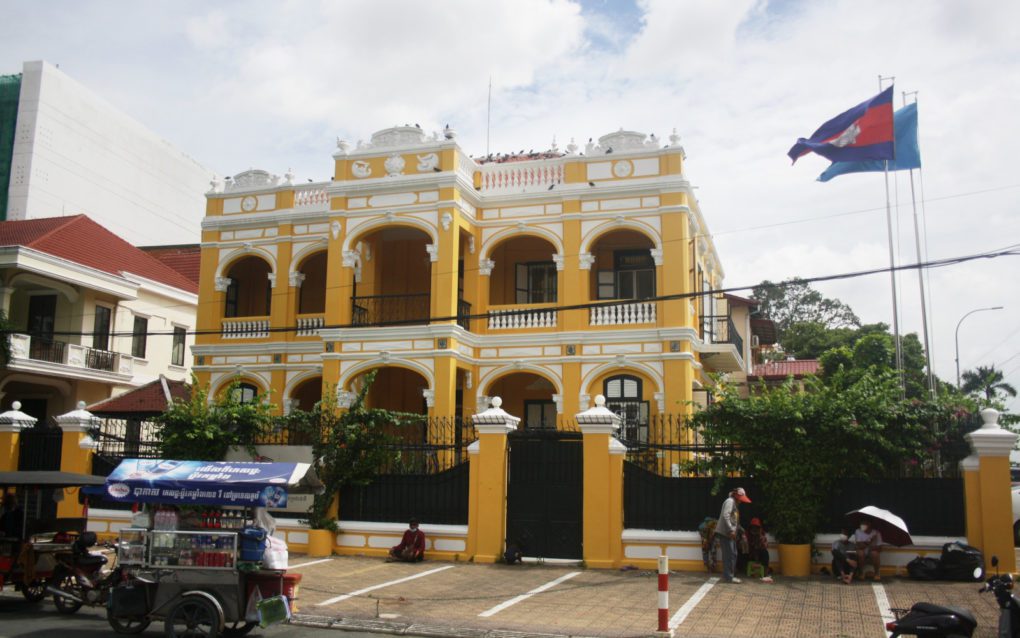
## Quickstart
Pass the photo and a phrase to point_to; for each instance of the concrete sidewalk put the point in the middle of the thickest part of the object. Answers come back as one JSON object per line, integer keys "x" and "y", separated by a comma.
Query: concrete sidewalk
{"x": 465, "y": 599}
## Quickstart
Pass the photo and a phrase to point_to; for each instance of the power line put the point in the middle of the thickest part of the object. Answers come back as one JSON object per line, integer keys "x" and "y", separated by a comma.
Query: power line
{"x": 1008, "y": 251}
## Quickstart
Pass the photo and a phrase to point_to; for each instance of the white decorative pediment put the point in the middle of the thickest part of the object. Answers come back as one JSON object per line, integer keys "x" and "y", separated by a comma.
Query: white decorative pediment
{"x": 446, "y": 220}
{"x": 361, "y": 169}
{"x": 350, "y": 258}
{"x": 558, "y": 260}
{"x": 485, "y": 267}
{"x": 585, "y": 260}
{"x": 657, "y": 256}
{"x": 430, "y": 397}
{"x": 296, "y": 279}
{"x": 397, "y": 136}
{"x": 222, "y": 283}
{"x": 433, "y": 251}
{"x": 252, "y": 179}
{"x": 334, "y": 227}
{"x": 622, "y": 141}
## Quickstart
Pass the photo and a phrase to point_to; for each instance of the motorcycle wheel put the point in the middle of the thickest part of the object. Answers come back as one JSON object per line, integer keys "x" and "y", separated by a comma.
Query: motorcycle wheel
{"x": 134, "y": 625}
{"x": 66, "y": 605}
{"x": 34, "y": 591}
{"x": 238, "y": 628}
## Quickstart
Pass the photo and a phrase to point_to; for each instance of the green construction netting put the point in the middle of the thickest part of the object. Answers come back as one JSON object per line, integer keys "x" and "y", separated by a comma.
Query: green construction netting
{"x": 10, "y": 90}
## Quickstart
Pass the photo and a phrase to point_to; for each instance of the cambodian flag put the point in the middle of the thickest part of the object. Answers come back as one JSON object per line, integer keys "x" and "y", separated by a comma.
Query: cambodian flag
{"x": 864, "y": 132}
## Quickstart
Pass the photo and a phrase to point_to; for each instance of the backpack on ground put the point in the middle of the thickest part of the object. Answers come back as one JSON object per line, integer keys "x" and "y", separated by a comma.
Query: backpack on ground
{"x": 924, "y": 568}
{"x": 961, "y": 562}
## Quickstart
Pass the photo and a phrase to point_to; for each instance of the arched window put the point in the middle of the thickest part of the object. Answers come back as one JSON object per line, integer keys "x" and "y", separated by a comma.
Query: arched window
{"x": 624, "y": 394}
{"x": 246, "y": 393}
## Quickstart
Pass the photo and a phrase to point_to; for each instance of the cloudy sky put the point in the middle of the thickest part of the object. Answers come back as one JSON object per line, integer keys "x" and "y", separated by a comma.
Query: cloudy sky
{"x": 272, "y": 84}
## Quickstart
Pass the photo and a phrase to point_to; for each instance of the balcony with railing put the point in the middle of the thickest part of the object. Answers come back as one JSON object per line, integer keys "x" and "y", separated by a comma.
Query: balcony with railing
{"x": 69, "y": 358}
{"x": 245, "y": 328}
{"x": 623, "y": 314}
{"x": 520, "y": 177}
{"x": 541, "y": 316}
{"x": 308, "y": 325}
{"x": 723, "y": 349}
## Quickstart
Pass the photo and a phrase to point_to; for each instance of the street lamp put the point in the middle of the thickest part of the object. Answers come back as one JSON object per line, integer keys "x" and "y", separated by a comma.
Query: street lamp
{"x": 958, "y": 338}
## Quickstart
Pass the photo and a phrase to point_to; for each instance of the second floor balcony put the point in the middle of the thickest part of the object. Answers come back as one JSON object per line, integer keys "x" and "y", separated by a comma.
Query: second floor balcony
{"x": 67, "y": 359}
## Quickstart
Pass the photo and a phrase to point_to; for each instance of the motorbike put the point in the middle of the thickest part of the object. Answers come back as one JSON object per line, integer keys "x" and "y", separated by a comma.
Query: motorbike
{"x": 938, "y": 621}
{"x": 79, "y": 578}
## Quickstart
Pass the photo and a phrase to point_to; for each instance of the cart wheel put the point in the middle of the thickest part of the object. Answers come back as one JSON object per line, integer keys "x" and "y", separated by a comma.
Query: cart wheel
{"x": 131, "y": 625}
{"x": 66, "y": 605}
{"x": 34, "y": 591}
{"x": 238, "y": 628}
{"x": 193, "y": 617}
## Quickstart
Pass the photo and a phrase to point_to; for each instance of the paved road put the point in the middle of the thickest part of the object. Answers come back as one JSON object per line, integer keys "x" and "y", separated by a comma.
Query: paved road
{"x": 20, "y": 620}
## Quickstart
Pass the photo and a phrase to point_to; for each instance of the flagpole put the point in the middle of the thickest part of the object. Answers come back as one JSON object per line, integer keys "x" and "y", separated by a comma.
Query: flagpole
{"x": 920, "y": 273}
{"x": 892, "y": 267}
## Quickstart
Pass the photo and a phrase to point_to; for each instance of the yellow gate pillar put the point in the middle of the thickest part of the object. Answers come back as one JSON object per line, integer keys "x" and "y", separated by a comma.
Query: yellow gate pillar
{"x": 12, "y": 422}
{"x": 75, "y": 453}
{"x": 986, "y": 479}
{"x": 488, "y": 476}
{"x": 603, "y": 486}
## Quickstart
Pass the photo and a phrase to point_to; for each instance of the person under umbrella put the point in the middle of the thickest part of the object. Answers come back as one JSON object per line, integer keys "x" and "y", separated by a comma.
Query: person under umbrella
{"x": 875, "y": 527}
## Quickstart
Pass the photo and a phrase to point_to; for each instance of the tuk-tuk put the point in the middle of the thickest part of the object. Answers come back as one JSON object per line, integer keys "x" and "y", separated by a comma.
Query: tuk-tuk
{"x": 29, "y": 546}
{"x": 195, "y": 555}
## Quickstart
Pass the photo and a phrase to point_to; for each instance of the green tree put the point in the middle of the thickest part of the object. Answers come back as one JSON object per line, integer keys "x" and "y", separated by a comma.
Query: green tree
{"x": 795, "y": 301}
{"x": 986, "y": 382}
{"x": 798, "y": 444}
{"x": 203, "y": 429}
{"x": 349, "y": 447}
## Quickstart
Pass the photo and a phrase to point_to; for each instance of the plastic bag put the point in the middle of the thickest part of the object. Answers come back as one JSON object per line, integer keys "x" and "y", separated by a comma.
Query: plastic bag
{"x": 251, "y": 612}
{"x": 273, "y": 610}
{"x": 276, "y": 555}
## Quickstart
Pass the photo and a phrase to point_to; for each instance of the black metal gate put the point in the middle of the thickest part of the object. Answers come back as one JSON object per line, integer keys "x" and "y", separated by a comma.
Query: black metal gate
{"x": 545, "y": 493}
{"x": 39, "y": 449}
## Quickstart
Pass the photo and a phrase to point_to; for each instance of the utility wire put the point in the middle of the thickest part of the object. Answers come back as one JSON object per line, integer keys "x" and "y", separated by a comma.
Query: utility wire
{"x": 1008, "y": 251}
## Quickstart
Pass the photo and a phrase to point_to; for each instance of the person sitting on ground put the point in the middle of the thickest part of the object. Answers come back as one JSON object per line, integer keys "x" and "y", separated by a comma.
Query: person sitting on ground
{"x": 844, "y": 557}
{"x": 758, "y": 545}
{"x": 708, "y": 542}
{"x": 412, "y": 546}
{"x": 868, "y": 541}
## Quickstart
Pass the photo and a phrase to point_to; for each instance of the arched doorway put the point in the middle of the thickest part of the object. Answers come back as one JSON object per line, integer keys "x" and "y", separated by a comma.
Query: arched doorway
{"x": 312, "y": 294}
{"x": 395, "y": 389}
{"x": 249, "y": 293}
{"x": 393, "y": 277}
{"x": 306, "y": 394}
{"x": 524, "y": 272}
{"x": 529, "y": 396}
{"x": 624, "y": 267}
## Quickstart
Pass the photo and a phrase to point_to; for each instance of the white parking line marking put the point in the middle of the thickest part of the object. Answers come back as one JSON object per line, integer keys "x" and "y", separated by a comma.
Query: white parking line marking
{"x": 381, "y": 585}
{"x": 883, "y": 604}
{"x": 314, "y": 562}
{"x": 538, "y": 590}
{"x": 692, "y": 602}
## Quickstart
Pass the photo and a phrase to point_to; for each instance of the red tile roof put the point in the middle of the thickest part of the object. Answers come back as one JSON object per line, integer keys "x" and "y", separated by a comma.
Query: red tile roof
{"x": 147, "y": 399}
{"x": 81, "y": 240}
{"x": 783, "y": 369}
{"x": 184, "y": 259}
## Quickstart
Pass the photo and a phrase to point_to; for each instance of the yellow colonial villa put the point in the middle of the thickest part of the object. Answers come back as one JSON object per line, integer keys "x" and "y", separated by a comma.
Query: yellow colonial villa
{"x": 529, "y": 276}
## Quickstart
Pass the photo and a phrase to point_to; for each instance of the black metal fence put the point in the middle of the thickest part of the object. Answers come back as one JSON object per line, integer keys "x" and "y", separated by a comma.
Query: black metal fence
{"x": 663, "y": 490}
{"x": 426, "y": 475}
{"x": 128, "y": 439}
{"x": 371, "y": 310}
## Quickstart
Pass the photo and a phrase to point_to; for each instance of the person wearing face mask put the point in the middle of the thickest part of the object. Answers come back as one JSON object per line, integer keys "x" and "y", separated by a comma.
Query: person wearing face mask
{"x": 844, "y": 558}
{"x": 868, "y": 541}
{"x": 412, "y": 545}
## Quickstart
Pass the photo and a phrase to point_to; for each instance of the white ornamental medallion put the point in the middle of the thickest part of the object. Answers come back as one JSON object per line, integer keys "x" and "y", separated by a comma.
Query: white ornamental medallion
{"x": 361, "y": 169}
{"x": 623, "y": 168}
{"x": 394, "y": 165}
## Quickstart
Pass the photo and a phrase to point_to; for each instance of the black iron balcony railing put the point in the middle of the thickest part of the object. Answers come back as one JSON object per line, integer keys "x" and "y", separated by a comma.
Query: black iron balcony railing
{"x": 42, "y": 349}
{"x": 463, "y": 314}
{"x": 721, "y": 329}
{"x": 99, "y": 359}
{"x": 375, "y": 310}
{"x": 732, "y": 336}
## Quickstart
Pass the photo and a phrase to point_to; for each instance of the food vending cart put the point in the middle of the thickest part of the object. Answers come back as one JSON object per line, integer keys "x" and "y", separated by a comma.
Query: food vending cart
{"x": 195, "y": 553}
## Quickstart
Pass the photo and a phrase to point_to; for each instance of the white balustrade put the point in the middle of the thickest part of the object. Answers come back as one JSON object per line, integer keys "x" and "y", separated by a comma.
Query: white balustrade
{"x": 623, "y": 314}
{"x": 309, "y": 326}
{"x": 246, "y": 329}
{"x": 311, "y": 196}
{"x": 514, "y": 319}
{"x": 521, "y": 177}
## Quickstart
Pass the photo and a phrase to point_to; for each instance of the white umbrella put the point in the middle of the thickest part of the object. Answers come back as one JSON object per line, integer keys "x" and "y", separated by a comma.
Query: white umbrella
{"x": 894, "y": 531}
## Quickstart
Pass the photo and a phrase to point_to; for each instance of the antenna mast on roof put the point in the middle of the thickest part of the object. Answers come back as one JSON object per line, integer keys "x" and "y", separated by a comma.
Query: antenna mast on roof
{"x": 488, "y": 118}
